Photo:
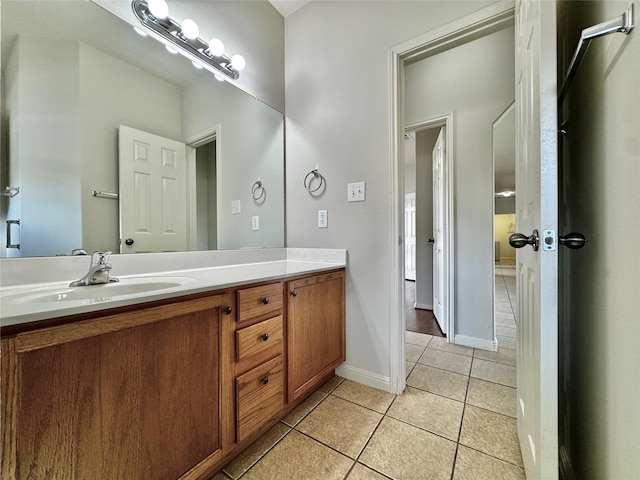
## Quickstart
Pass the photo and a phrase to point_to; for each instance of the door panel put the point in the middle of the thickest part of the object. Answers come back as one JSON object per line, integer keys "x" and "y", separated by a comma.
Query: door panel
{"x": 536, "y": 207}
{"x": 153, "y": 192}
{"x": 410, "y": 236}
{"x": 439, "y": 299}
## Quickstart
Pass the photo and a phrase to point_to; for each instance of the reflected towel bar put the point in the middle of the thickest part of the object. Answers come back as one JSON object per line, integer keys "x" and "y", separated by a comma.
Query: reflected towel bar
{"x": 96, "y": 193}
{"x": 623, "y": 24}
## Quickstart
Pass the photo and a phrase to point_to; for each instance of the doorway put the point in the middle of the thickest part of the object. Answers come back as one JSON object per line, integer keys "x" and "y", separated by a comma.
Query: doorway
{"x": 420, "y": 147}
{"x": 490, "y": 20}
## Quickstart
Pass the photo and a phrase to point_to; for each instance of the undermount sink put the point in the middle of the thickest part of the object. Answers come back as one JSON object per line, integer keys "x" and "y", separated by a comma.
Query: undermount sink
{"x": 96, "y": 293}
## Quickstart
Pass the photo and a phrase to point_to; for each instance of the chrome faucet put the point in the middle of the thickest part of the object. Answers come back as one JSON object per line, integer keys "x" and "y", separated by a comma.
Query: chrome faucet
{"x": 98, "y": 271}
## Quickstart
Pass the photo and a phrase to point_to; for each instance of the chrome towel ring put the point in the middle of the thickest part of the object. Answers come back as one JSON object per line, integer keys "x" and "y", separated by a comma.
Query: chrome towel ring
{"x": 308, "y": 180}
{"x": 257, "y": 191}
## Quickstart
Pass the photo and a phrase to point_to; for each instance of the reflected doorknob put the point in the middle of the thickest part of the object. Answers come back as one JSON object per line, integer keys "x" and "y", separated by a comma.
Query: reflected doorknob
{"x": 573, "y": 240}
{"x": 519, "y": 240}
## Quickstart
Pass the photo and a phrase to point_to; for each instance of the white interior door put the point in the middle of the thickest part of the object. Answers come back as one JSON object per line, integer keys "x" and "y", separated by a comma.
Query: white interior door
{"x": 410, "y": 236}
{"x": 439, "y": 264}
{"x": 153, "y": 193}
{"x": 536, "y": 209}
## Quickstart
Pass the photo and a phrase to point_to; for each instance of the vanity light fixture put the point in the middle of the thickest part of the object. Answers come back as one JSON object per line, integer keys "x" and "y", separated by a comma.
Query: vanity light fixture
{"x": 154, "y": 16}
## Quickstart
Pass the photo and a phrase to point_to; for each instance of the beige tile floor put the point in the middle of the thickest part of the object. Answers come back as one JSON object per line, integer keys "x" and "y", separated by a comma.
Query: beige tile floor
{"x": 455, "y": 420}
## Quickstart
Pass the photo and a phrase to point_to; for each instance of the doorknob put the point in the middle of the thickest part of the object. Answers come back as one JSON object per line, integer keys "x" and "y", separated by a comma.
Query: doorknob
{"x": 431, "y": 240}
{"x": 518, "y": 240}
{"x": 129, "y": 241}
{"x": 573, "y": 240}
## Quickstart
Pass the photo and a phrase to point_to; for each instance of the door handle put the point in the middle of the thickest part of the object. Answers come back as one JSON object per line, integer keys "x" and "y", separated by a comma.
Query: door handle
{"x": 519, "y": 240}
{"x": 573, "y": 240}
{"x": 431, "y": 240}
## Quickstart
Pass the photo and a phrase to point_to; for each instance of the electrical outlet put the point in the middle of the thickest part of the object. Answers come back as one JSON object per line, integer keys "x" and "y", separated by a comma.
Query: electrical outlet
{"x": 235, "y": 207}
{"x": 255, "y": 223}
{"x": 356, "y": 192}
{"x": 323, "y": 220}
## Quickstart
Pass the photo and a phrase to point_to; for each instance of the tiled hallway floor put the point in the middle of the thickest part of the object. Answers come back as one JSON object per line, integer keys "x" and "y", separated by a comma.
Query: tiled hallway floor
{"x": 455, "y": 420}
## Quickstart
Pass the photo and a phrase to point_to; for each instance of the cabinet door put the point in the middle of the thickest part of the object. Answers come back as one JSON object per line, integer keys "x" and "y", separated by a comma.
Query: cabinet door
{"x": 316, "y": 338}
{"x": 135, "y": 395}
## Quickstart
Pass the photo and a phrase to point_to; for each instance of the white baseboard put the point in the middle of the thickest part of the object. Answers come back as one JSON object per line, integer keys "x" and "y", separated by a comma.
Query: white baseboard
{"x": 474, "y": 342}
{"x": 423, "y": 306}
{"x": 365, "y": 377}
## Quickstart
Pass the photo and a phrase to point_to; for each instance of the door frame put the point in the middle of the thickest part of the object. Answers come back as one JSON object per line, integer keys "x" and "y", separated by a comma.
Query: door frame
{"x": 447, "y": 121}
{"x": 481, "y": 23}
{"x": 192, "y": 143}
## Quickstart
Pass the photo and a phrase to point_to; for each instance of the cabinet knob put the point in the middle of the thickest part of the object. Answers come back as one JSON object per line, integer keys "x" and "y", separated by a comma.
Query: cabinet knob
{"x": 265, "y": 300}
{"x": 265, "y": 379}
{"x": 227, "y": 310}
{"x": 294, "y": 293}
{"x": 264, "y": 337}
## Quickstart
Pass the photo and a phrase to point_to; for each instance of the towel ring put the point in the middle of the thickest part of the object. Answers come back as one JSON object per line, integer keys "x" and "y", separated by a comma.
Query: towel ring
{"x": 257, "y": 191}
{"x": 308, "y": 179}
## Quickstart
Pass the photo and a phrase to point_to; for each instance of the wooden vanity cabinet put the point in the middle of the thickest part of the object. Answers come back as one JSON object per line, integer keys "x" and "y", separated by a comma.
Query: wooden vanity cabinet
{"x": 132, "y": 395}
{"x": 259, "y": 367}
{"x": 171, "y": 390}
{"x": 315, "y": 330}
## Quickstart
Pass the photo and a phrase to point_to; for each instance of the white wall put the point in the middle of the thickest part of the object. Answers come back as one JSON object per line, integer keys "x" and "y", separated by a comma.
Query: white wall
{"x": 475, "y": 81}
{"x": 338, "y": 111}
{"x": 600, "y": 334}
{"x": 42, "y": 112}
{"x": 112, "y": 93}
{"x": 251, "y": 146}
{"x": 252, "y": 28}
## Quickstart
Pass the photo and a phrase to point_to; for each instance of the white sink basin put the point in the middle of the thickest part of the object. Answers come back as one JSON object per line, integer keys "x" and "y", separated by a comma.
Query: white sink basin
{"x": 95, "y": 293}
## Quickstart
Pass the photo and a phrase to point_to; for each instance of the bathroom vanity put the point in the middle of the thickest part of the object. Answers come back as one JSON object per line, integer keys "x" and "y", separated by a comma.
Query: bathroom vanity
{"x": 171, "y": 387}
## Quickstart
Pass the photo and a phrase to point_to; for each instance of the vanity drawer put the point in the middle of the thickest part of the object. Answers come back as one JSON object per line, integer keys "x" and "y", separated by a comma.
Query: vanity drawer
{"x": 259, "y": 301}
{"x": 260, "y": 396}
{"x": 259, "y": 338}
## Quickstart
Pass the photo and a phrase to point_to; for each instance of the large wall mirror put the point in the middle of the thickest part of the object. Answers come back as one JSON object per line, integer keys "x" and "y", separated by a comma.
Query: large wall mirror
{"x": 82, "y": 95}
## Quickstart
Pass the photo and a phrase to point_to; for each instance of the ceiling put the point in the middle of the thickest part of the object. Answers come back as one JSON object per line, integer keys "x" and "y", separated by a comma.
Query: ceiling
{"x": 287, "y": 7}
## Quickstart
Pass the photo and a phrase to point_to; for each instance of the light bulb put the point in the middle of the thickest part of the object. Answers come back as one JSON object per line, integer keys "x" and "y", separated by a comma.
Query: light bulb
{"x": 158, "y": 8}
{"x": 197, "y": 65}
{"x": 216, "y": 47}
{"x": 171, "y": 50}
{"x": 190, "y": 29}
{"x": 139, "y": 31}
{"x": 238, "y": 62}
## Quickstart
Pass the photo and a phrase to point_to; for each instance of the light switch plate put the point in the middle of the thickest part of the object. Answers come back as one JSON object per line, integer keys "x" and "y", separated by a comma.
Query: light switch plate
{"x": 356, "y": 192}
{"x": 255, "y": 223}
{"x": 235, "y": 207}
{"x": 323, "y": 220}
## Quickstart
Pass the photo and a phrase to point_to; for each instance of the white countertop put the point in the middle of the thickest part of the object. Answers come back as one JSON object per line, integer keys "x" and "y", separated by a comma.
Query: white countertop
{"x": 39, "y": 301}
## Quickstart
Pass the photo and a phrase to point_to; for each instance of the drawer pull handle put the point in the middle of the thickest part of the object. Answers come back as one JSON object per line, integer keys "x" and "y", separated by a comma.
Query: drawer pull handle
{"x": 265, "y": 300}
{"x": 265, "y": 379}
{"x": 264, "y": 337}
{"x": 227, "y": 310}
{"x": 294, "y": 293}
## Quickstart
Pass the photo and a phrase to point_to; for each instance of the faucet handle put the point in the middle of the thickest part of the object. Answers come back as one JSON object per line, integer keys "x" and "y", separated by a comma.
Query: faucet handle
{"x": 100, "y": 257}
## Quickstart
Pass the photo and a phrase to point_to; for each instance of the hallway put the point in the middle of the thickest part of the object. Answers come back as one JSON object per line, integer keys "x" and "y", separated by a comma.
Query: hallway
{"x": 455, "y": 420}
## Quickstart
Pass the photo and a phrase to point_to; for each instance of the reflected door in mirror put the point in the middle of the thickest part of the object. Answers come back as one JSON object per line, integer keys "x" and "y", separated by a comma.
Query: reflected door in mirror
{"x": 153, "y": 192}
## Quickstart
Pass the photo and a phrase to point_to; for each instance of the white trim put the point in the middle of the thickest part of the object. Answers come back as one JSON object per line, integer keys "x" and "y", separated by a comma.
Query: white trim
{"x": 474, "y": 342}
{"x": 397, "y": 379}
{"x": 478, "y": 24}
{"x": 365, "y": 377}
{"x": 192, "y": 220}
{"x": 423, "y": 306}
